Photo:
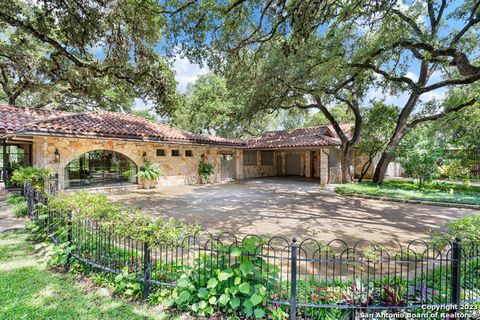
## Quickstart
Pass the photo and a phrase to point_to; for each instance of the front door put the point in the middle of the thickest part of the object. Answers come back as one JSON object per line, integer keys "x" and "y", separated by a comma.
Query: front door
{"x": 227, "y": 170}
{"x": 293, "y": 165}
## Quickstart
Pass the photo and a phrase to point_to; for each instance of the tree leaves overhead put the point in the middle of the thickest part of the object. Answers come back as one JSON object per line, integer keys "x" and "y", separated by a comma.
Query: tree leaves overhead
{"x": 89, "y": 53}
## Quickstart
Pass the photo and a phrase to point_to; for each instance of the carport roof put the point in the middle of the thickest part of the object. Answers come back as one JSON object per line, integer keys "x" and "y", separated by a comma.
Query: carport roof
{"x": 295, "y": 138}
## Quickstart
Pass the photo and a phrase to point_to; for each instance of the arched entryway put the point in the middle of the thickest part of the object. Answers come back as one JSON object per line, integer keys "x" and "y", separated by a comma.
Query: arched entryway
{"x": 100, "y": 168}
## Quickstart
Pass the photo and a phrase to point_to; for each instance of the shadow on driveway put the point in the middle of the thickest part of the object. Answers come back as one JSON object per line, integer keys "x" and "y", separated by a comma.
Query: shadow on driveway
{"x": 290, "y": 208}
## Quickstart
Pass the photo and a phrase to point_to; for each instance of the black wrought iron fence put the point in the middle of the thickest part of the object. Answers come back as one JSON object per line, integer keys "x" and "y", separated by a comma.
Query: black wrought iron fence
{"x": 312, "y": 280}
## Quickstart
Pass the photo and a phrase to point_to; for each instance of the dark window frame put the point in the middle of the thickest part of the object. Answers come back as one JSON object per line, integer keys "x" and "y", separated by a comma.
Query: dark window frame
{"x": 188, "y": 153}
{"x": 161, "y": 153}
{"x": 262, "y": 158}
{"x": 175, "y": 153}
{"x": 251, "y": 160}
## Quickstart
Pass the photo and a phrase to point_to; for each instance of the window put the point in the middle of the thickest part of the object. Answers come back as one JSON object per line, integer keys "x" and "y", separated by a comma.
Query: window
{"x": 160, "y": 152}
{"x": 100, "y": 168}
{"x": 188, "y": 153}
{"x": 250, "y": 158}
{"x": 175, "y": 153}
{"x": 267, "y": 158}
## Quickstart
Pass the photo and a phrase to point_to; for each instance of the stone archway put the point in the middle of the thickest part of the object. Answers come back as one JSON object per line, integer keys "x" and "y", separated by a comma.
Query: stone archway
{"x": 100, "y": 167}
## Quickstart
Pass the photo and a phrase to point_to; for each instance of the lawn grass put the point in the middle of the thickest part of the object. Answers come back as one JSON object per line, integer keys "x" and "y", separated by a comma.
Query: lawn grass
{"x": 407, "y": 190}
{"x": 28, "y": 290}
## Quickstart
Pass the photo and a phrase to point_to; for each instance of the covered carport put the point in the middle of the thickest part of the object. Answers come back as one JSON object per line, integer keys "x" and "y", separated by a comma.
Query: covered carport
{"x": 305, "y": 152}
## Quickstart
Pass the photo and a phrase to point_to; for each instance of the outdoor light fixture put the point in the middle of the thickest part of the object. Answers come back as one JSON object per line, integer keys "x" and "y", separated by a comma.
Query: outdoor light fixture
{"x": 56, "y": 156}
{"x": 145, "y": 158}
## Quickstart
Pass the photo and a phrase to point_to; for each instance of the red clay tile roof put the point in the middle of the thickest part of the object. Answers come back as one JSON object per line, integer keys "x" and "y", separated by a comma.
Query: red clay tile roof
{"x": 13, "y": 119}
{"x": 122, "y": 125}
{"x": 303, "y": 137}
{"x": 109, "y": 124}
{"x": 97, "y": 124}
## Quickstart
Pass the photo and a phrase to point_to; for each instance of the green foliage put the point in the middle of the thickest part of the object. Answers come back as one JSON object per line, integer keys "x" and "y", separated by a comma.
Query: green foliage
{"x": 379, "y": 122}
{"x": 97, "y": 207}
{"x": 236, "y": 286}
{"x": 439, "y": 192}
{"x": 466, "y": 228}
{"x": 454, "y": 170}
{"x": 73, "y": 55}
{"x": 339, "y": 111}
{"x": 18, "y": 204}
{"x": 420, "y": 154}
{"x": 205, "y": 170}
{"x": 149, "y": 171}
{"x": 37, "y": 177}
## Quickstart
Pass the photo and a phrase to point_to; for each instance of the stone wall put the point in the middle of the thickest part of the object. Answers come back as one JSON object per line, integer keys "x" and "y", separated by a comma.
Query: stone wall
{"x": 360, "y": 160}
{"x": 175, "y": 170}
{"x": 259, "y": 170}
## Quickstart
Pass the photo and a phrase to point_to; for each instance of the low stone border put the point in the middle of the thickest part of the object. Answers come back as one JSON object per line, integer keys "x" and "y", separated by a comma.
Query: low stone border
{"x": 429, "y": 203}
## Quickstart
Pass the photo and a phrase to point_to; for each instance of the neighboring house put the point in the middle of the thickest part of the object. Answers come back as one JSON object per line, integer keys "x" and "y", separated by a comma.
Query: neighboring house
{"x": 106, "y": 149}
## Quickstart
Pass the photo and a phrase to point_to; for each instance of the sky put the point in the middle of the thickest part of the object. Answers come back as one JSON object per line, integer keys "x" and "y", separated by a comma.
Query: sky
{"x": 185, "y": 73}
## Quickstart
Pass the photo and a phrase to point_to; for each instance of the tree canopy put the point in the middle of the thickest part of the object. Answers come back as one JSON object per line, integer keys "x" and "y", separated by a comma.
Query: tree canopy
{"x": 87, "y": 54}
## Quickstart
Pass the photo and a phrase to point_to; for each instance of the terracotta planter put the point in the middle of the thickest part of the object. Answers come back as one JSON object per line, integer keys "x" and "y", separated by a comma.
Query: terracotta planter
{"x": 146, "y": 184}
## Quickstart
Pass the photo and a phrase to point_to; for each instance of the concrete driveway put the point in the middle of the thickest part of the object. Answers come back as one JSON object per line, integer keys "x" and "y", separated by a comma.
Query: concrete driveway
{"x": 291, "y": 207}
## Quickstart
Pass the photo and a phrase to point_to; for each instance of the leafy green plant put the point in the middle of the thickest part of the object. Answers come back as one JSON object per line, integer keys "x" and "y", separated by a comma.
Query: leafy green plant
{"x": 149, "y": 171}
{"x": 37, "y": 177}
{"x": 18, "y": 204}
{"x": 205, "y": 170}
{"x": 236, "y": 285}
{"x": 148, "y": 175}
{"x": 81, "y": 206}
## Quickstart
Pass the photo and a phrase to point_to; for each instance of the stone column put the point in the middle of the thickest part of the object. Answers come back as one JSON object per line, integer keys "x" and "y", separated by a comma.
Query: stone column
{"x": 308, "y": 164}
{"x": 239, "y": 164}
{"x": 324, "y": 167}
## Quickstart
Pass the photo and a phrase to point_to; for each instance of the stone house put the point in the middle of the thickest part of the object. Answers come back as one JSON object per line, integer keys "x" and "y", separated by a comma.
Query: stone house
{"x": 95, "y": 149}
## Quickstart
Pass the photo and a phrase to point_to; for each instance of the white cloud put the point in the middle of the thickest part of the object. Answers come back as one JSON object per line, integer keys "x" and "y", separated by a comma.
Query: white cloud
{"x": 186, "y": 72}
{"x": 411, "y": 75}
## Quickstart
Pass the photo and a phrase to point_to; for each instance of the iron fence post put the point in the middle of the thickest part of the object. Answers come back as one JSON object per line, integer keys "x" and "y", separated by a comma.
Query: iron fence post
{"x": 146, "y": 270}
{"x": 69, "y": 239}
{"x": 293, "y": 281}
{"x": 456, "y": 273}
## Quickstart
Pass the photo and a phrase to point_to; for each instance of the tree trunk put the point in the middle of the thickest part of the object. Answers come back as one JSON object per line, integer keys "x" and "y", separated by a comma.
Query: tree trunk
{"x": 345, "y": 161}
{"x": 365, "y": 168}
{"x": 12, "y": 100}
{"x": 397, "y": 136}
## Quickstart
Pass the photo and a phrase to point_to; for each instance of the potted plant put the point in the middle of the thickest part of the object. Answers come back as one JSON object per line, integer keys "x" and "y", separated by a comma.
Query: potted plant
{"x": 205, "y": 170}
{"x": 148, "y": 175}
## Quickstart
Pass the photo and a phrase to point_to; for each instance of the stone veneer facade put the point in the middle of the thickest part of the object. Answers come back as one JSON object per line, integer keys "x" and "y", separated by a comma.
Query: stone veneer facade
{"x": 175, "y": 170}
{"x": 181, "y": 170}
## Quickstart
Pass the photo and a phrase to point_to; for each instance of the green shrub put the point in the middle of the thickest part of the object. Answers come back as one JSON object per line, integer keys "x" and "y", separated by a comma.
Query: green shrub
{"x": 232, "y": 282}
{"x": 18, "y": 204}
{"x": 455, "y": 170}
{"x": 205, "y": 170}
{"x": 149, "y": 172}
{"x": 37, "y": 177}
{"x": 466, "y": 228}
{"x": 122, "y": 221}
